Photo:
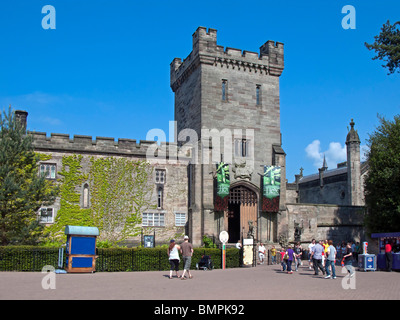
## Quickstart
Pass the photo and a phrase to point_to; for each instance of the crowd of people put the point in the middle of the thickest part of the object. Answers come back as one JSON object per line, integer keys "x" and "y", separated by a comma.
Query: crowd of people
{"x": 321, "y": 256}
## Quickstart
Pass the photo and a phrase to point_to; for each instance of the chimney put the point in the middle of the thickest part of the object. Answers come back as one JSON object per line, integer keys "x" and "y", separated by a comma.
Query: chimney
{"x": 22, "y": 117}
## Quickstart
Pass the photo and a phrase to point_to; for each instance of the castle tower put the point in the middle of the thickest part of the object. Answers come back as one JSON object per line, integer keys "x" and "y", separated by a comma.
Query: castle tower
{"x": 353, "y": 167}
{"x": 235, "y": 95}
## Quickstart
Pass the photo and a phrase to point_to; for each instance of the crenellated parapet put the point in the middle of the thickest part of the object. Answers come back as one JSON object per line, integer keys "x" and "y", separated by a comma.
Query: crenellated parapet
{"x": 269, "y": 61}
{"x": 58, "y": 142}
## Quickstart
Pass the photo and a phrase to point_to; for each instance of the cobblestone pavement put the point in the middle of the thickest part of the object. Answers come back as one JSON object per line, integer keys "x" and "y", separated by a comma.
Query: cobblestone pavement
{"x": 263, "y": 282}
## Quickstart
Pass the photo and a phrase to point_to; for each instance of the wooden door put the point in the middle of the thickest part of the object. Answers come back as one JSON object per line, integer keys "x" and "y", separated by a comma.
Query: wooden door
{"x": 247, "y": 200}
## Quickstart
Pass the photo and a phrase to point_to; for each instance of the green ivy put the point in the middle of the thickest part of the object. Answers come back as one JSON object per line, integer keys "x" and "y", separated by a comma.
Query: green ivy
{"x": 119, "y": 192}
{"x": 70, "y": 212}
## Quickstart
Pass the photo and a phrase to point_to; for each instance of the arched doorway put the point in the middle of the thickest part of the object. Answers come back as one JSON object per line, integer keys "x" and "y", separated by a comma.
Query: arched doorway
{"x": 242, "y": 208}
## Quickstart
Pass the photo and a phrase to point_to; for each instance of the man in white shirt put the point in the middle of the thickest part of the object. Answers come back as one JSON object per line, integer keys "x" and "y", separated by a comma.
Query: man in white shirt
{"x": 261, "y": 253}
{"x": 310, "y": 248}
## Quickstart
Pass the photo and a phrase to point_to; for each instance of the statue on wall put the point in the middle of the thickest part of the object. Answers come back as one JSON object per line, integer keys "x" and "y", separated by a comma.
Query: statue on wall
{"x": 297, "y": 232}
{"x": 242, "y": 170}
{"x": 250, "y": 233}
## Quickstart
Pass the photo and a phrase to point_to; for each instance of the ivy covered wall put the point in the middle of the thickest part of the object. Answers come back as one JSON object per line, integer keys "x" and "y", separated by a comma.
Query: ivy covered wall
{"x": 120, "y": 189}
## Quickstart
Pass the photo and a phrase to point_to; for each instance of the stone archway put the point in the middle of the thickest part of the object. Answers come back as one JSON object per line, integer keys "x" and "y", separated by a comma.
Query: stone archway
{"x": 243, "y": 206}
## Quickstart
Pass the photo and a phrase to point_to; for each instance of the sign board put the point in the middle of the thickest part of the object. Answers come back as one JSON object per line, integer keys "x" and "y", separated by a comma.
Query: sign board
{"x": 248, "y": 242}
{"x": 224, "y": 237}
{"x": 148, "y": 241}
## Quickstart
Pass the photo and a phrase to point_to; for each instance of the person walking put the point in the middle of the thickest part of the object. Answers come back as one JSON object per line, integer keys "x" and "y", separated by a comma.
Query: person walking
{"x": 173, "y": 258}
{"x": 310, "y": 248}
{"x": 348, "y": 260}
{"x": 283, "y": 259}
{"x": 261, "y": 253}
{"x": 330, "y": 261}
{"x": 338, "y": 251}
{"x": 317, "y": 258}
{"x": 388, "y": 256}
{"x": 297, "y": 254}
{"x": 290, "y": 257}
{"x": 187, "y": 252}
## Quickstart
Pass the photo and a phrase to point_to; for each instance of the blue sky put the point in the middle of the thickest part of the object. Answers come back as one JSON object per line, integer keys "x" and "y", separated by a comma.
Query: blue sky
{"x": 104, "y": 70}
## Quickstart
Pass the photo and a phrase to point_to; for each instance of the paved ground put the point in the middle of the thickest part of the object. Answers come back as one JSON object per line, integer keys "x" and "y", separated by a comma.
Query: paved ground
{"x": 261, "y": 282}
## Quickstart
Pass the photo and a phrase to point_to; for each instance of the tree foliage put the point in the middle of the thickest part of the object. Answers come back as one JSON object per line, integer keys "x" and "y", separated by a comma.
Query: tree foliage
{"x": 387, "y": 46}
{"x": 382, "y": 185}
{"x": 22, "y": 190}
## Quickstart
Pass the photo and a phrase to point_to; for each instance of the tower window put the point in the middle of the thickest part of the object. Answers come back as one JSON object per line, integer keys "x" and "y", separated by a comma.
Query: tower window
{"x": 258, "y": 94}
{"x": 224, "y": 90}
{"x": 160, "y": 198}
{"x": 160, "y": 176}
{"x": 242, "y": 147}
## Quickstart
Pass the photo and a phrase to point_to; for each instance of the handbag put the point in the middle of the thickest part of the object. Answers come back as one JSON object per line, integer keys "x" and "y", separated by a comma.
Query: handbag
{"x": 286, "y": 256}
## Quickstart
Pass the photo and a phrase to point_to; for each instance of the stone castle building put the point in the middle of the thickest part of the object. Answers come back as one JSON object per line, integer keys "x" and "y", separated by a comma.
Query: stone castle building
{"x": 227, "y": 107}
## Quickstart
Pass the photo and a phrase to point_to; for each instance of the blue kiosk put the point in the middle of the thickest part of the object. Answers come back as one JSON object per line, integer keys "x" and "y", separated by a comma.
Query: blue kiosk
{"x": 81, "y": 248}
{"x": 394, "y": 239}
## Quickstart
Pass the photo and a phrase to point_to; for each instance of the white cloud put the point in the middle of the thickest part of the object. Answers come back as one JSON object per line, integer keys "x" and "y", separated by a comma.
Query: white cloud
{"x": 335, "y": 154}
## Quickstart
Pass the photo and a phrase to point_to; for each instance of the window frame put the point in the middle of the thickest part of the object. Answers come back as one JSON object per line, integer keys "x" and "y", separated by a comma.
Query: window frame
{"x": 258, "y": 94}
{"x": 153, "y": 217}
{"x": 41, "y": 220}
{"x": 179, "y": 217}
{"x": 224, "y": 90}
{"x": 160, "y": 179}
{"x": 241, "y": 147}
{"x": 48, "y": 174}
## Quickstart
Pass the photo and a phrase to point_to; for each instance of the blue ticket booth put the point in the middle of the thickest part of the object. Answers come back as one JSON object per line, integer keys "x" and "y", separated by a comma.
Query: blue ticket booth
{"x": 81, "y": 248}
{"x": 394, "y": 239}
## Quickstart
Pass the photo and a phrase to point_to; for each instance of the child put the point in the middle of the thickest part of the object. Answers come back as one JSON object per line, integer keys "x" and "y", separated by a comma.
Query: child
{"x": 273, "y": 255}
{"x": 283, "y": 261}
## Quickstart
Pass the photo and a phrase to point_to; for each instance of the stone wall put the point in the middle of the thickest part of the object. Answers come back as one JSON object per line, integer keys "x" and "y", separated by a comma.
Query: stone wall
{"x": 320, "y": 222}
{"x": 175, "y": 188}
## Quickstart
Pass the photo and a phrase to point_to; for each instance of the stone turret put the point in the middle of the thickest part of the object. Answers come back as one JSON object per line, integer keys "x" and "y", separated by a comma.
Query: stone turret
{"x": 353, "y": 167}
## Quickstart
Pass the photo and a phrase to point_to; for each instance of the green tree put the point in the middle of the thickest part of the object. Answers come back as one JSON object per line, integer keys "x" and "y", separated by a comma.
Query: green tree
{"x": 382, "y": 185}
{"x": 22, "y": 190}
{"x": 387, "y": 46}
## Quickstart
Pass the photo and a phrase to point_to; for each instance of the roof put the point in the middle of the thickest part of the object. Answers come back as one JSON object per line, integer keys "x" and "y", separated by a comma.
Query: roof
{"x": 327, "y": 173}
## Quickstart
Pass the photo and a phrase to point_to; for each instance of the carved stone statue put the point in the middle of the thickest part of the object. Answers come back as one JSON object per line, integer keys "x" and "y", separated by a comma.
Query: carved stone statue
{"x": 242, "y": 170}
{"x": 297, "y": 232}
{"x": 250, "y": 233}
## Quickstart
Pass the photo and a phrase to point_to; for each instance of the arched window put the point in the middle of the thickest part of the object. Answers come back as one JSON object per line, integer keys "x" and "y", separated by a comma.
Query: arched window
{"x": 85, "y": 202}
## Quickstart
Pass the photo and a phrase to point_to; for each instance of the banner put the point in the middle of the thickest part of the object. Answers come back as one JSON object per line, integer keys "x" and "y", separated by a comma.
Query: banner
{"x": 223, "y": 185}
{"x": 271, "y": 188}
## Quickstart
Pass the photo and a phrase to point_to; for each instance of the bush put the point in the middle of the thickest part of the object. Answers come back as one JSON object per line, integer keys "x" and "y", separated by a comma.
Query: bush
{"x": 27, "y": 258}
{"x": 30, "y": 258}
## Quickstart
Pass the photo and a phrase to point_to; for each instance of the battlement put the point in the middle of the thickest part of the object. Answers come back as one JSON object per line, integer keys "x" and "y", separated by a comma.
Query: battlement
{"x": 269, "y": 61}
{"x": 58, "y": 142}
